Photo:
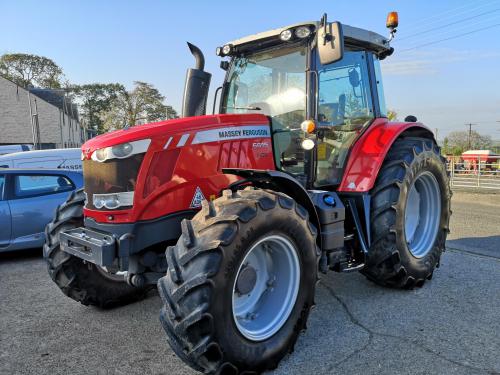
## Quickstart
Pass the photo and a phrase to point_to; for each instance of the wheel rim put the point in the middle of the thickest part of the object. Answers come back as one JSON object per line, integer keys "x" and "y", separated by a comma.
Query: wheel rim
{"x": 112, "y": 273}
{"x": 422, "y": 214}
{"x": 266, "y": 288}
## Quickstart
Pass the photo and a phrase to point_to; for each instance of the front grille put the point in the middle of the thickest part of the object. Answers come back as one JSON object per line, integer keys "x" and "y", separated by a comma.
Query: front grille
{"x": 112, "y": 176}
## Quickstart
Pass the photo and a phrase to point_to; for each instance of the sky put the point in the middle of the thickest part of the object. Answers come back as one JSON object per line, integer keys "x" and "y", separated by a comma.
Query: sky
{"x": 445, "y": 84}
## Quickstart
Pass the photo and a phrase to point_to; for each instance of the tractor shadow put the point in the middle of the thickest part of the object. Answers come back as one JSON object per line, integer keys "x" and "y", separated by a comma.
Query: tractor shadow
{"x": 24, "y": 254}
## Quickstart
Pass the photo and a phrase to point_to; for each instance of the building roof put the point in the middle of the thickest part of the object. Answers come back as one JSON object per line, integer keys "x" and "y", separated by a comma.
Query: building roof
{"x": 57, "y": 98}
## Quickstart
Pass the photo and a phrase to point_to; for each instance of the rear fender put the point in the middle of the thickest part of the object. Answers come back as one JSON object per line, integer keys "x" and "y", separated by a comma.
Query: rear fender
{"x": 370, "y": 150}
{"x": 282, "y": 182}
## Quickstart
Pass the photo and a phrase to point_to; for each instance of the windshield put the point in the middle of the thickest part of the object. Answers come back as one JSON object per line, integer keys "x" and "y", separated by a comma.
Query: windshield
{"x": 273, "y": 82}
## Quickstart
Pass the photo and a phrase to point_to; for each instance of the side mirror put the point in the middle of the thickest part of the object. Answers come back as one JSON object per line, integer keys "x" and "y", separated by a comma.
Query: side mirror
{"x": 330, "y": 41}
{"x": 354, "y": 77}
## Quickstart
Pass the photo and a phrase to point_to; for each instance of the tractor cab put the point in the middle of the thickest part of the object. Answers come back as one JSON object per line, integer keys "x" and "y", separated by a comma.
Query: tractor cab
{"x": 319, "y": 83}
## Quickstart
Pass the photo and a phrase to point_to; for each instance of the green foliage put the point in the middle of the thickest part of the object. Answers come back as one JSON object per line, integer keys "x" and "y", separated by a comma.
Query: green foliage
{"x": 31, "y": 70}
{"x": 141, "y": 105}
{"x": 458, "y": 141}
{"x": 171, "y": 113}
{"x": 392, "y": 115}
{"x": 95, "y": 99}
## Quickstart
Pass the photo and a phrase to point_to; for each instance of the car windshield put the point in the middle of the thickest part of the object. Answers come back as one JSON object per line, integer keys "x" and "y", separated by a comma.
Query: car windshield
{"x": 273, "y": 82}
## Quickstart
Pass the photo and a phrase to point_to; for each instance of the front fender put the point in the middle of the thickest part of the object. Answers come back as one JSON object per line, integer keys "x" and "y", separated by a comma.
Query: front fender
{"x": 283, "y": 182}
{"x": 370, "y": 150}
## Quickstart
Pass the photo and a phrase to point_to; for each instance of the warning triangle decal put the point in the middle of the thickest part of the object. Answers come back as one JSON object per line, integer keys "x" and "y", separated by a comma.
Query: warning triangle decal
{"x": 197, "y": 198}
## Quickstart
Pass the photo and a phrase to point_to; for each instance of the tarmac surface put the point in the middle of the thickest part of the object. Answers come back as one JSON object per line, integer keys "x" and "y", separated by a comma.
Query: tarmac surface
{"x": 450, "y": 326}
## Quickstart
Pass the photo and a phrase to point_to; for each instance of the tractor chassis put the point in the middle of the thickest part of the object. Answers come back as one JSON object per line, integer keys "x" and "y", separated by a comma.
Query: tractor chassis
{"x": 129, "y": 248}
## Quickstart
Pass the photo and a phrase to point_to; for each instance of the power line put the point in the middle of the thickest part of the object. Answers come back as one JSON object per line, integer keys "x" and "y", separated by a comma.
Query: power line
{"x": 454, "y": 30}
{"x": 442, "y": 16}
{"x": 448, "y": 24}
{"x": 450, "y": 38}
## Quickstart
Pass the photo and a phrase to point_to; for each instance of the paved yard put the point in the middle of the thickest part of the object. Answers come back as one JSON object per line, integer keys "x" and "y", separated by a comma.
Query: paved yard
{"x": 450, "y": 326}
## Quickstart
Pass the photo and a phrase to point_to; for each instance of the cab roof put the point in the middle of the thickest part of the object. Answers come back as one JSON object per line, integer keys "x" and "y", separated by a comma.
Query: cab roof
{"x": 353, "y": 36}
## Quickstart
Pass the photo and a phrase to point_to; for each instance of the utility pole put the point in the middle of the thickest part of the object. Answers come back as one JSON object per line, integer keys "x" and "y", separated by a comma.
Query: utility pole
{"x": 470, "y": 125}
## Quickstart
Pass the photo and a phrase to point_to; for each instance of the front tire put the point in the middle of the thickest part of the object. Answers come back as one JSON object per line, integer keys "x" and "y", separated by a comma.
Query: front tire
{"x": 410, "y": 212}
{"x": 214, "y": 275}
{"x": 83, "y": 282}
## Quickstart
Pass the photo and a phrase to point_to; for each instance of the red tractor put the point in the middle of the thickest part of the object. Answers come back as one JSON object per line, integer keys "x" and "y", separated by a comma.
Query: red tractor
{"x": 300, "y": 173}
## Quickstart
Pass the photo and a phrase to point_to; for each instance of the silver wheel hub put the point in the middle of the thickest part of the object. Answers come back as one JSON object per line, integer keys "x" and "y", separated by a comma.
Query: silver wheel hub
{"x": 266, "y": 287}
{"x": 422, "y": 214}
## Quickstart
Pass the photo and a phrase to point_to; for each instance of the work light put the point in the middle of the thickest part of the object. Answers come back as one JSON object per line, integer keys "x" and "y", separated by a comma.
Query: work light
{"x": 307, "y": 144}
{"x": 302, "y": 32}
{"x": 226, "y": 50}
{"x": 286, "y": 35}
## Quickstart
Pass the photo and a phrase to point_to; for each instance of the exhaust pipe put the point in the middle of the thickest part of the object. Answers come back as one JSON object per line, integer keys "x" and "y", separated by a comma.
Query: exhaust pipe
{"x": 194, "y": 102}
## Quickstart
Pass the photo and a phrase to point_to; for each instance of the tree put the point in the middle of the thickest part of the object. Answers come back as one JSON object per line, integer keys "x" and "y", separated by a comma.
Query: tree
{"x": 141, "y": 105}
{"x": 171, "y": 113}
{"x": 458, "y": 141}
{"x": 95, "y": 100}
{"x": 392, "y": 115}
{"x": 31, "y": 70}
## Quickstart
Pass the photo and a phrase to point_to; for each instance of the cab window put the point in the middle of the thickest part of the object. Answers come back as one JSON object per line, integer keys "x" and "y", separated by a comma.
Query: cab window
{"x": 380, "y": 87}
{"x": 273, "y": 82}
{"x": 344, "y": 108}
{"x": 34, "y": 185}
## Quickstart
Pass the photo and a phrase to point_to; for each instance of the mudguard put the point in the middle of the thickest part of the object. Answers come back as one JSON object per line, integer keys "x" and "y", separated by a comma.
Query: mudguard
{"x": 370, "y": 150}
{"x": 279, "y": 181}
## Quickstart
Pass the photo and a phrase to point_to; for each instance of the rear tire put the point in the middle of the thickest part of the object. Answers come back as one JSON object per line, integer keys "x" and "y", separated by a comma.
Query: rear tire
{"x": 398, "y": 257}
{"x": 83, "y": 282}
{"x": 197, "y": 291}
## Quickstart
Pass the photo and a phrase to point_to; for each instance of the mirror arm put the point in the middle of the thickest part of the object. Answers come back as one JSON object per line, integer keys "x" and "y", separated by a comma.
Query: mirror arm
{"x": 215, "y": 98}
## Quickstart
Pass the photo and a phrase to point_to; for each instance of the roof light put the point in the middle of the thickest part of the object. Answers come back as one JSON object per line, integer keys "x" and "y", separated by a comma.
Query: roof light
{"x": 218, "y": 51}
{"x": 302, "y": 32}
{"x": 286, "y": 35}
{"x": 391, "y": 23}
{"x": 392, "y": 20}
{"x": 308, "y": 126}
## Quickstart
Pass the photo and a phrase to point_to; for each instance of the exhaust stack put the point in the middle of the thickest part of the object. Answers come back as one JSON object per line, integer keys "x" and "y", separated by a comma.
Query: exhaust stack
{"x": 194, "y": 102}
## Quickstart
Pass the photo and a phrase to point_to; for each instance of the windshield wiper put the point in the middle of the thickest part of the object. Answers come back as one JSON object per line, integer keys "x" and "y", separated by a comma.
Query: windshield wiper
{"x": 249, "y": 108}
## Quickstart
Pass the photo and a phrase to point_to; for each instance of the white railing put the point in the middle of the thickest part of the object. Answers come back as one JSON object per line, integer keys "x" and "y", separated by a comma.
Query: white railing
{"x": 478, "y": 172}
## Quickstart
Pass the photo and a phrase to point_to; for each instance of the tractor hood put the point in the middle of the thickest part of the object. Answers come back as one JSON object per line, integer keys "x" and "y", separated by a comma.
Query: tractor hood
{"x": 170, "y": 127}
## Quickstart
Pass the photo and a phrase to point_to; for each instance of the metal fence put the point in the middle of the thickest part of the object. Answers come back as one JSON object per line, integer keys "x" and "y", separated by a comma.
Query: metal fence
{"x": 477, "y": 172}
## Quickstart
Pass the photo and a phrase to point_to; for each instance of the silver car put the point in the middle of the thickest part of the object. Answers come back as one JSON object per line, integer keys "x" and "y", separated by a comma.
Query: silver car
{"x": 28, "y": 200}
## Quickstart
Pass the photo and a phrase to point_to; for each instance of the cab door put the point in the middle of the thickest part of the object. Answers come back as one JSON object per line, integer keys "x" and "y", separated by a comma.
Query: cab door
{"x": 5, "y": 218}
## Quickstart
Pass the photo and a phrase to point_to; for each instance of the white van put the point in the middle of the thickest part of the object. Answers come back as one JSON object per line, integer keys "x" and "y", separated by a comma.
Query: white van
{"x": 66, "y": 158}
{"x": 8, "y": 149}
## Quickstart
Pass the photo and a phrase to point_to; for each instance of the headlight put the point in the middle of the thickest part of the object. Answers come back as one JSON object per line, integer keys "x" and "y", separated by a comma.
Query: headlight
{"x": 114, "y": 200}
{"x": 121, "y": 151}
